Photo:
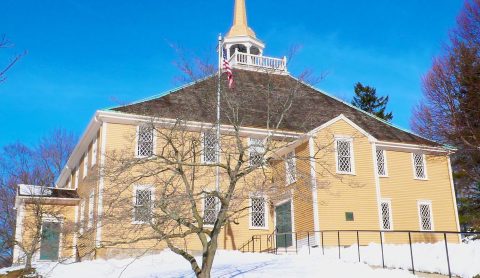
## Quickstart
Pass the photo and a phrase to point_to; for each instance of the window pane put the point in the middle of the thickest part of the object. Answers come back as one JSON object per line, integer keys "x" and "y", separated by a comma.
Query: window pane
{"x": 419, "y": 166}
{"x": 425, "y": 217}
{"x": 291, "y": 169}
{"x": 145, "y": 141}
{"x": 258, "y": 212}
{"x": 210, "y": 210}
{"x": 210, "y": 145}
{"x": 386, "y": 220}
{"x": 344, "y": 156}
{"x": 256, "y": 151}
{"x": 143, "y": 205}
{"x": 381, "y": 162}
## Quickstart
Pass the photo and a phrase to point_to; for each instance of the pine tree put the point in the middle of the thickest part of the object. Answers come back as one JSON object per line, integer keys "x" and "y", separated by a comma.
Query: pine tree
{"x": 366, "y": 99}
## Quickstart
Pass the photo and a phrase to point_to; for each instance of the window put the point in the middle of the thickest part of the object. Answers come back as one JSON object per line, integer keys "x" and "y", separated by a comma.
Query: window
{"x": 91, "y": 200}
{"x": 386, "y": 208}
{"x": 76, "y": 177}
{"x": 85, "y": 164}
{"x": 419, "y": 166}
{"x": 381, "y": 163}
{"x": 344, "y": 155}
{"x": 210, "y": 146}
{"x": 425, "y": 215}
{"x": 82, "y": 215}
{"x": 349, "y": 216}
{"x": 258, "y": 213}
{"x": 94, "y": 151}
{"x": 256, "y": 151}
{"x": 145, "y": 141}
{"x": 291, "y": 168}
{"x": 69, "y": 183}
{"x": 143, "y": 205}
{"x": 210, "y": 210}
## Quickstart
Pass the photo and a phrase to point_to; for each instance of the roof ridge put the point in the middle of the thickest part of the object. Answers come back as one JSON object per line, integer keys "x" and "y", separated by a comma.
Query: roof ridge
{"x": 365, "y": 112}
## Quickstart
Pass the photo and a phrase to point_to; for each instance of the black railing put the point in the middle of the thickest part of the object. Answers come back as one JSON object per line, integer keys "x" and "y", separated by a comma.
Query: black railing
{"x": 290, "y": 242}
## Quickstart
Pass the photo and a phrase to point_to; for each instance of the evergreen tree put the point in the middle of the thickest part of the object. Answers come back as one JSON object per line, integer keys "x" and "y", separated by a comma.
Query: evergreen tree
{"x": 366, "y": 99}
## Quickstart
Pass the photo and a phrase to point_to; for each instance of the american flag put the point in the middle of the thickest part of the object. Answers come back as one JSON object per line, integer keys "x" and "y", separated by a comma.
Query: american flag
{"x": 228, "y": 69}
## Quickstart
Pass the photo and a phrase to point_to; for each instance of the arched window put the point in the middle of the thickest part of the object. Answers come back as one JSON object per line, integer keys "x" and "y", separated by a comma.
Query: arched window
{"x": 241, "y": 48}
{"x": 254, "y": 50}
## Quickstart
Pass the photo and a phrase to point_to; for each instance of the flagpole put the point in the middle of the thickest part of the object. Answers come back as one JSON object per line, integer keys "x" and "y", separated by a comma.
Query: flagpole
{"x": 217, "y": 170}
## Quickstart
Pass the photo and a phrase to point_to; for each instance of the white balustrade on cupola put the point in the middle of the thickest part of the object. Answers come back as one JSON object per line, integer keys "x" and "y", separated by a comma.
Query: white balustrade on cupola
{"x": 258, "y": 62}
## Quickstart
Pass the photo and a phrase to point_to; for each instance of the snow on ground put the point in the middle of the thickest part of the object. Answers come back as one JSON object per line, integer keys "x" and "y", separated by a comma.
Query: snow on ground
{"x": 464, "y": 260}
{"x": 227, "y": 264}
{"x": 432, "y": 258}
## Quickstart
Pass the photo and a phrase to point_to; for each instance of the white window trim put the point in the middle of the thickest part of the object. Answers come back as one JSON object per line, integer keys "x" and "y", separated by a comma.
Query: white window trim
{"x": 250, "y": 139}
{"x": 85, "y": 164}
{"x": 94, "y": 152}
{"x": 217, "y": 208}
{"x": 385, "y": 163}
{"x": 69, "y": 183}
{"x": 217, "y": 155}
{"x": 250, "y": 226}
{"x": 352, "y": 160}
{"x": 82, "y": 215}
{"x": 76, "y": 177}
{"x": 154, "y": 152}
{"x": 429, "y": 203}
{"x": 424, "y": 166}
{"x": 294, "y": 180}
{"x": 389, "y": 202}
{"x": 134, "y": 199}
{"x": 91, "y": 205}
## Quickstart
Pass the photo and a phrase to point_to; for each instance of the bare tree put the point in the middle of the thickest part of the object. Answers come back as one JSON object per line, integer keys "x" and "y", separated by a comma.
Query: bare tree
{"x": 186, "y": 205}
{"x": 450, "y": 109}
{"x": 5, "y": 43}
{"x": 20, "y": 164}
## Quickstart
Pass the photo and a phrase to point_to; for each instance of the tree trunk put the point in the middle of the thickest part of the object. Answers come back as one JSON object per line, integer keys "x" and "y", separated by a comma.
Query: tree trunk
{"x": 28, "y": 264}
{"x": 208, "y": 257}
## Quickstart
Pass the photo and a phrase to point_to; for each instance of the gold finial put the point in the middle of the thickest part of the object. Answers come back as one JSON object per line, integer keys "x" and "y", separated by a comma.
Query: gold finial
{"x": 240, "y": 24}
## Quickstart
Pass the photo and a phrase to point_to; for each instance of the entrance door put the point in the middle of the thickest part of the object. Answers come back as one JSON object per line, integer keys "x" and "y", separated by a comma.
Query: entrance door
{"x": 283, "y": 218}
{"x": 50, "y": 243}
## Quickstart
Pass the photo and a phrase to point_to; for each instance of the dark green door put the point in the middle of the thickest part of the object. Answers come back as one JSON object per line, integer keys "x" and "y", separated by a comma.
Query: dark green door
{"x": 284, "y": 224}
{"x": 50, "y": 241}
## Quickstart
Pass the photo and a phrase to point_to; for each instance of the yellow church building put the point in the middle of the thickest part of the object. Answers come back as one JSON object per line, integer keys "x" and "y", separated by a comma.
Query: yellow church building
{"x": 338, "y": 167}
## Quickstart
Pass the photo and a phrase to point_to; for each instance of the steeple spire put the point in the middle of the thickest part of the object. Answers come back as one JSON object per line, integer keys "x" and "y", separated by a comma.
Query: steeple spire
{"x": 240, "y": 23}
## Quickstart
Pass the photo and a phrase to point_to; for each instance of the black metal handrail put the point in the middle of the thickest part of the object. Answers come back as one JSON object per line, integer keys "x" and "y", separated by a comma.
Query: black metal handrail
{"x": 272, "y": 247}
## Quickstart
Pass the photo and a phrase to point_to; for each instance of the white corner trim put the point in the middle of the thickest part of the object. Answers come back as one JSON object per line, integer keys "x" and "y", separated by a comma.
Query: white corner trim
{"x": 377, "y": 185}
{"x": 454, "y": 196}
{"x": 20, "y": 207}
{"x": 313, "y": 180}
{"x": 101, "y": 185}
{"x": 75, "y": 235}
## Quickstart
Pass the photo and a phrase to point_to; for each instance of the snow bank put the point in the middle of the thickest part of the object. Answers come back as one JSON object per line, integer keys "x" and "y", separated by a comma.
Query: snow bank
{"x": 227, "y": 264}
{"x": 464, "y": 261}
{"x": 464, "y": 258}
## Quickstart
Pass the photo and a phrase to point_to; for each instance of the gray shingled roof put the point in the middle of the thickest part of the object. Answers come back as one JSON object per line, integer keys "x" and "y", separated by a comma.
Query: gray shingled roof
{"x": 310, "y": 107}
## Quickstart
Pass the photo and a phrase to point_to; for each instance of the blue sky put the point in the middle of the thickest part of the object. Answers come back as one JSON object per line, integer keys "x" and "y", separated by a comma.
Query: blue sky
{"x": 87, "y": 55}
